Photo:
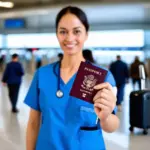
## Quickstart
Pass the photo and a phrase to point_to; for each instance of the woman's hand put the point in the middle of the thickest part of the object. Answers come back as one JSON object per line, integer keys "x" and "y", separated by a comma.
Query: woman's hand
{"x": 104, "y": 100}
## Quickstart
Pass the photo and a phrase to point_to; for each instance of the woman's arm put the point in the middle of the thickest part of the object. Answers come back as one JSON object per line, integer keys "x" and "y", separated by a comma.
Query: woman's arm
{"x": 32, "y": 129}
{"x": 110, "y": 124}
{"x": 104, "y": 104}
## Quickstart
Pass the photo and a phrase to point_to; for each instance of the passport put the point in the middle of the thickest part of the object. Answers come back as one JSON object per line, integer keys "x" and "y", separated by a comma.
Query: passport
{"x": 87, "y": 77}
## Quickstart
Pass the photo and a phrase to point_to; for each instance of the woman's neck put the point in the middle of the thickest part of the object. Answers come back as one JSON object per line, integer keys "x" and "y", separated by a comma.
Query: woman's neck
{"x": 69, "y": 66}
{"x": 70, "y": 62}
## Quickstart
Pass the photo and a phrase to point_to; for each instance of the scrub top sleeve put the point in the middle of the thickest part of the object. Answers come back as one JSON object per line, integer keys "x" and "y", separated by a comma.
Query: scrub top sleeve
{"x": 110, "y": 79}
{"x": 32, "y": 97}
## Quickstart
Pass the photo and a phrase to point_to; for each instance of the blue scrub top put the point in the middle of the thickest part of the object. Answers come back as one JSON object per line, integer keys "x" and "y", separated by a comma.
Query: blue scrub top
{"x": 62, "y": 118}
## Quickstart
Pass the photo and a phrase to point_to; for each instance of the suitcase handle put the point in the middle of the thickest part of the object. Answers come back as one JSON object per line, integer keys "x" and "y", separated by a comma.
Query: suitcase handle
{"x": 142, "y": 76}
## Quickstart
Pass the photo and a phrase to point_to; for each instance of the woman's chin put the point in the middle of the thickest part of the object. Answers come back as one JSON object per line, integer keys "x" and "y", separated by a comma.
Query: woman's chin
{"x": 71, "y": 52}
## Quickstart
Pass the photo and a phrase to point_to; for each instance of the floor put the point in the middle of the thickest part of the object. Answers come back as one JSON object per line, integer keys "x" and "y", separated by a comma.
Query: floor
{"x": 13, "y": 126}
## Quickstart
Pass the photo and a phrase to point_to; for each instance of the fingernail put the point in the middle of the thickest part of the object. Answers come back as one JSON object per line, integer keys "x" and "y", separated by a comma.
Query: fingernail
{"x": 95, "y": 105}
{"x": 95, "y": 87}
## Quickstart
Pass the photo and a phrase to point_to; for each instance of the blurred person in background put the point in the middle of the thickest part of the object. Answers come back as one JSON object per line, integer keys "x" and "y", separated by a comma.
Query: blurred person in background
{"x": 134, "y": 72}
{"x": 87, "y": 54}
{"x": 60, "y": 56}
{"x": 120, "y": 72}
{"x": 12, "y": 77}
{"x": 2, "y": 60}
{"x": 57, "y": 120}
{"x": 38, "y": 62}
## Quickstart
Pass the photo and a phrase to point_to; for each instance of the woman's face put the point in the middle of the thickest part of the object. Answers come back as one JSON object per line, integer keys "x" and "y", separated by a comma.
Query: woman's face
{"x": 71, "y": 34}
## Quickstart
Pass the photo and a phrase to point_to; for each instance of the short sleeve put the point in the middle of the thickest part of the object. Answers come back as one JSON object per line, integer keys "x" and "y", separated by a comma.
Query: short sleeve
{"x": 110, "y": 79}
{"x": 32, "y": 97}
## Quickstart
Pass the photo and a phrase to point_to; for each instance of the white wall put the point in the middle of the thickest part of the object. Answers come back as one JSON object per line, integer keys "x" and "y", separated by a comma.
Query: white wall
{"x": 147, "y": 43}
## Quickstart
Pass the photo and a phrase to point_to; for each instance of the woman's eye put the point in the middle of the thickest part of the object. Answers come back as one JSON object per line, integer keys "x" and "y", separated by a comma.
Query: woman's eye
{"x": 62, "y": 32}
{"x": 77, "y": 32}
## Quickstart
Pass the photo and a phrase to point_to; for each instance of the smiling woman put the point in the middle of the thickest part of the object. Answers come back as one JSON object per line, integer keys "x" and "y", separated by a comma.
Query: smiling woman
{"x": 71, "y": 27}
{"x": 58, "y": 121}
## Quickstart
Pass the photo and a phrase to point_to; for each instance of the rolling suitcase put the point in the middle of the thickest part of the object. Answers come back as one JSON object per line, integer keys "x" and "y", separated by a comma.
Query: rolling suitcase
{"x": 139, "y": 109}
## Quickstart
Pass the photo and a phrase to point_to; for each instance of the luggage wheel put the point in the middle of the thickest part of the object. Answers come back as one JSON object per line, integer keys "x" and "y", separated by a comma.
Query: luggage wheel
{"x": 131, "y": 128}
{"x": 145, "y": 131}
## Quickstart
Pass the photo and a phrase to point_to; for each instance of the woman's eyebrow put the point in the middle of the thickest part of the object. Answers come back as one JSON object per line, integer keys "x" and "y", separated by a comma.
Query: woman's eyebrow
{"x": 76, "y": 27}
{"x": 62, "y": 28}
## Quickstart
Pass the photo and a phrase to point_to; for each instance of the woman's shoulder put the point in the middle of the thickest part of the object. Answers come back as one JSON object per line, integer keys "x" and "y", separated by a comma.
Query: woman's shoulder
{"x": 109, "y": 77}
{"x": 46, "y": 70}
{"x": 99, "y": 66}
{"x": 48, "y": 67}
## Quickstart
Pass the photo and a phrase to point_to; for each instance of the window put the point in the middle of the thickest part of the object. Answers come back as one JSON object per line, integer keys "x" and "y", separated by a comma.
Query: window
{"x": 32, "y": 40}
{"x": 118, "y": 38}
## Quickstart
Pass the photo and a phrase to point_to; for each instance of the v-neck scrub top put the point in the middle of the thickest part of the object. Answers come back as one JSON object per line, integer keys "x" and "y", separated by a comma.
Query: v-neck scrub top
{"x": 67, "y": 123}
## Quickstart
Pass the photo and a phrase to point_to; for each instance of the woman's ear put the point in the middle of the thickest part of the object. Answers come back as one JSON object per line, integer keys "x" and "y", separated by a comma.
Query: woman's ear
{"x": 87, "y": 35}
{"x": 56, "y": 34}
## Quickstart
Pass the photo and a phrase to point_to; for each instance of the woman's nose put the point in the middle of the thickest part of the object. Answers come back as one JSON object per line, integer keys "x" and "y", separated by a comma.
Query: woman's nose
{"x": 70, "y": 37}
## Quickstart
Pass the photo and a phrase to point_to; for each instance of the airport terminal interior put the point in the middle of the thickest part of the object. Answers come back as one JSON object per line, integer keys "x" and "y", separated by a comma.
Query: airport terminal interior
{"x": 27, "y": 28}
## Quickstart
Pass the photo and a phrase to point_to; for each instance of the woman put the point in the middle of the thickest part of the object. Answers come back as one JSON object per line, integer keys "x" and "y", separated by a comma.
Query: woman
{"x": 58, "y": 121}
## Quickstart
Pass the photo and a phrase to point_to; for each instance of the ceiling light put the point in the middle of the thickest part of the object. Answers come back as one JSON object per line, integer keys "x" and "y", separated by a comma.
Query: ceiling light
{"x": 6, "y": 4}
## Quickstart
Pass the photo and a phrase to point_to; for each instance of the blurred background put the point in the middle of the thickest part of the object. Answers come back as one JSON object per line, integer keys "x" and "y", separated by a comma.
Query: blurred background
{"x": 117, "y": 27}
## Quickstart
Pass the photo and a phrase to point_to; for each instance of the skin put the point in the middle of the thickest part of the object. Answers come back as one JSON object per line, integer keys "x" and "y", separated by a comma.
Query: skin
{"x": 72, "y": 35}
